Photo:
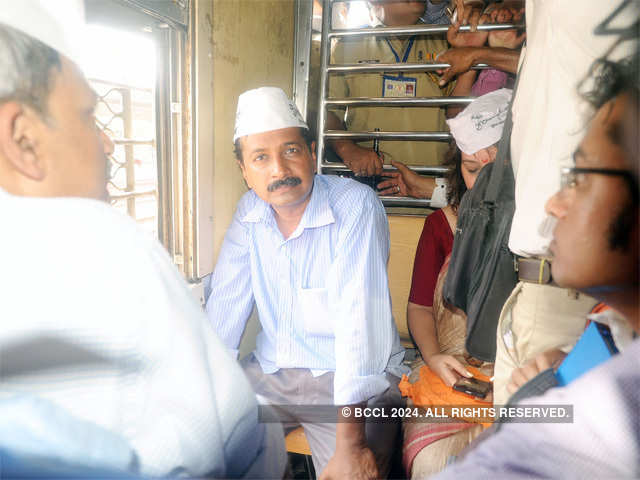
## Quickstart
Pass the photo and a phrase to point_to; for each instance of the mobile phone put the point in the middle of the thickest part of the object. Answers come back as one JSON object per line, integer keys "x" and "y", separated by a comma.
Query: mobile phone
{"x": 473, "y": 387}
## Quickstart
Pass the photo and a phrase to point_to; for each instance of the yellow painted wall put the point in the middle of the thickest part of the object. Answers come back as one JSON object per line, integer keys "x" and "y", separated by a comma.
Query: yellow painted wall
{"x": 404, "y": 234}
{"x": 253, "y": 47}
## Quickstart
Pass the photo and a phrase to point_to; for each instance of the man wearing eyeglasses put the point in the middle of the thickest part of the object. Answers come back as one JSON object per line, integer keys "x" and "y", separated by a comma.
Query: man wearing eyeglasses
{"x": 595, "y": 249}
{"x": 548, "y": 119}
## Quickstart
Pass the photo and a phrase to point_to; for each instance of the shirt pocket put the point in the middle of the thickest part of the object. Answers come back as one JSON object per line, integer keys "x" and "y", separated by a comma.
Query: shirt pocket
{"x": 314, "y": 305}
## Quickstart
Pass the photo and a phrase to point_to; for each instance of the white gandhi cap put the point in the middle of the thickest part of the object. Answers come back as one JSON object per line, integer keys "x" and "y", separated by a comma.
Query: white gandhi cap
{"x": 265, "y": 109}
{"x": 56, "y": 23}
{"x": 480, "y": 125}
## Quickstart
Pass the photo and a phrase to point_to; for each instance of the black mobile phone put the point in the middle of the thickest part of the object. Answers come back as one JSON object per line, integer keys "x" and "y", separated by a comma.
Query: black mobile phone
{"x": 473, "y": 387}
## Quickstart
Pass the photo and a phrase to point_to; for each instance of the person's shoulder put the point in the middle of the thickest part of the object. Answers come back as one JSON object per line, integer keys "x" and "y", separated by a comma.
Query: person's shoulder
{"x": 80, "y": 218}
{"x": 353, "y": 203}
{"x": 88, "y": 232}
{"x": 435, "y": 218}
{"x": 347, "y": 192}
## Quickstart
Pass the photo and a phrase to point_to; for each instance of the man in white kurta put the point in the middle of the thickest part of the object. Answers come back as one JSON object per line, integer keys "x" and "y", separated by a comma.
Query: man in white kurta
{"x": 96, "y": 321}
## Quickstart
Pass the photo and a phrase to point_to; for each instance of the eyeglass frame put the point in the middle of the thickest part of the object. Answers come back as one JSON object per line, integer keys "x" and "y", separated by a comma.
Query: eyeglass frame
{"x": 613, "y": 172}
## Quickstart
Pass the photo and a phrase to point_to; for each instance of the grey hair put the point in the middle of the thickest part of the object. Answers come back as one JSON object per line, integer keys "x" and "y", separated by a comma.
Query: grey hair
{"x": 26, "y": 69}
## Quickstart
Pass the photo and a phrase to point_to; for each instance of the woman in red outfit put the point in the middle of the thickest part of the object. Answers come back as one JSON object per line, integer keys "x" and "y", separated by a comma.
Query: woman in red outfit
{"x": 436, "y": 241}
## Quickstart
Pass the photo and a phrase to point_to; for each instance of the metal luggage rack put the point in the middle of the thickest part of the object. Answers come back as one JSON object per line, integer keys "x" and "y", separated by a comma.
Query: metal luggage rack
{"x": 429, "y": 102}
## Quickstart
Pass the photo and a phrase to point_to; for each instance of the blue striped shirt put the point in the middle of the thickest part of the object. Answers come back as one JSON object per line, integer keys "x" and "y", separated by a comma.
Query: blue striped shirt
{"x": 322, "y": 294}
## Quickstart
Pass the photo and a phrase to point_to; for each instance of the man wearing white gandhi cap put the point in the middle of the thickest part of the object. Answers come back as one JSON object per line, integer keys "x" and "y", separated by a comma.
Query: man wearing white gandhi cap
{"x": 310, "y": 253}
{"x": 108, "y": 365}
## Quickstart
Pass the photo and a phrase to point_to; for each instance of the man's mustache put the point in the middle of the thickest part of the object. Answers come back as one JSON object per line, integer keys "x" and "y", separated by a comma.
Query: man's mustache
{"x": 284, "y": 182}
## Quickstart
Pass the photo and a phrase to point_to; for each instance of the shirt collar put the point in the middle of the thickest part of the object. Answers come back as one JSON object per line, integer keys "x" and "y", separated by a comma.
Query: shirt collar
{"x": 317, "y": 214}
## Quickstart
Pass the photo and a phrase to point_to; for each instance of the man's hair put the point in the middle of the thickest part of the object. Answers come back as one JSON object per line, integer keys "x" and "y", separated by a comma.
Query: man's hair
{"x": 608, "y": 80}
{"x": 306, "y": 134}
{"x": 26, "y": 69}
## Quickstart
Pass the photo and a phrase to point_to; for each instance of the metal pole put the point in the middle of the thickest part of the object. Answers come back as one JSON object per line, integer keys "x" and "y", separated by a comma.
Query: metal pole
{"x": 399, "y": 102}
{"x": 404, "y": 201}
{"x": 127, "y": 121}
{"x": 301, "y": 54}
{"x": 325, "y": 52}
{"x": 436, "y": 170}
{"x": 415, "y": 30}
{"x": 434, "y": 136}
{"x": 394, "y": 67}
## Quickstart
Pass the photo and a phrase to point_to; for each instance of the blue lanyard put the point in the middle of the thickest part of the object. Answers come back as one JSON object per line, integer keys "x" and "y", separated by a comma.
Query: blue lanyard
{"x": 406, "y": 53}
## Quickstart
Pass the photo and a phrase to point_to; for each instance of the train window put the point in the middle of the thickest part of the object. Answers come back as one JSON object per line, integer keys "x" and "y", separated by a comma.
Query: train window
{"x": 125, "y": 86}
{"x": 135, "y": 61}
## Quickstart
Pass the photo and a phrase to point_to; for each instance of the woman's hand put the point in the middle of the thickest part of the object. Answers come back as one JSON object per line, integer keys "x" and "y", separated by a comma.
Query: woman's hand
{"x": 448, "y": 368}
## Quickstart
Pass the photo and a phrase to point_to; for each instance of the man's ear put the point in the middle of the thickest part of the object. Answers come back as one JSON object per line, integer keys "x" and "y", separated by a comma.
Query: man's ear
{"x": 313, "y": 157}
{"x": 18, "y": 140}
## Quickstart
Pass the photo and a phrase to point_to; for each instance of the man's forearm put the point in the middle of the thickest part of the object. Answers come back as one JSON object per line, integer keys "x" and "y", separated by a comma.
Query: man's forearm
{"x": 500, "y": 58}
{"x": 349, "y": 433}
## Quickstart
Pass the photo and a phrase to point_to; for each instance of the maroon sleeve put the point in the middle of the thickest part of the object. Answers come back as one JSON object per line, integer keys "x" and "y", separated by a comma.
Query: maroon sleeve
{"x": 430, "y": 256}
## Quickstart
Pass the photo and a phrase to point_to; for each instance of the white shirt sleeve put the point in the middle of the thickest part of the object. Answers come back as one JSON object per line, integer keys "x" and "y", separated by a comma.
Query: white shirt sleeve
{"x": 359, "y": 302}
{"x": 231, "y": 300}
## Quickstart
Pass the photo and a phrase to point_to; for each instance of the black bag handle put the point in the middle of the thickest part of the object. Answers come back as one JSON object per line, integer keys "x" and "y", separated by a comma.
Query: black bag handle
{"x": 503, "y": 157}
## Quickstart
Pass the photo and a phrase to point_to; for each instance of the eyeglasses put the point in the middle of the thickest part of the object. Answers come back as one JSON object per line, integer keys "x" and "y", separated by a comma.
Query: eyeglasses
{"x": 569, "y": 176}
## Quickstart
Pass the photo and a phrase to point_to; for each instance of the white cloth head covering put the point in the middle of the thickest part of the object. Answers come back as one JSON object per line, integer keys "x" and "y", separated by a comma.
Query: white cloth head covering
{"x": 56, "y": 23}
{"x": 480, "y": 124}
{"x": 265, "y": 109}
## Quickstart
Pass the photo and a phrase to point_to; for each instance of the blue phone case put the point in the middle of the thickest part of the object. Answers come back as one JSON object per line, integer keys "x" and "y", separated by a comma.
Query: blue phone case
{"x": 594, "y": 347}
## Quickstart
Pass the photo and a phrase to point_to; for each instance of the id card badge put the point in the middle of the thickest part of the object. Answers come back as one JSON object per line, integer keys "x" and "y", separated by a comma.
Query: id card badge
{"x": 399, "y": 86}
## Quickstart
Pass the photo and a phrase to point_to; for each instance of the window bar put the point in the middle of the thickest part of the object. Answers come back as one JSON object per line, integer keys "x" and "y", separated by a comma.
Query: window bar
{"x": 127, "y": 120}
{"x": 325, "y": 52}
{"x": 415, "y": 30}
{"x": 393, "y": 67}
{"x": 434, "y": 170}
{"x": 433, "y": 136}
{"x": 398, "y": 102}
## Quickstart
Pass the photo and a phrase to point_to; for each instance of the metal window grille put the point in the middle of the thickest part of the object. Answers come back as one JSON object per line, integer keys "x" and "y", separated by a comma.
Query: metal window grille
{"x": 126, "y": 114}
{"x": 326, "y": 69}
